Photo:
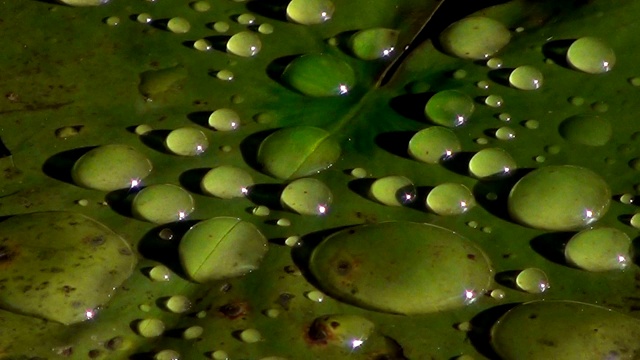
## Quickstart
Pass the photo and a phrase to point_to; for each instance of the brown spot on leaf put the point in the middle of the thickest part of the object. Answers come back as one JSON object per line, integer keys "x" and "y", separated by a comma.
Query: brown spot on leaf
{"x": 235, "y": 310}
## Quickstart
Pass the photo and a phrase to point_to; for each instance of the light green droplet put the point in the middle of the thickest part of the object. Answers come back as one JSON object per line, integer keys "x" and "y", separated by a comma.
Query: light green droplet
{"x": 225, "y": 75}
{"x": 310, "y": 12}
{"x": 226, "y": 182}
{"x": 553, "y": 149}
{"x": 484, "y": 85}
{"x": 586, "y": 130}
{"x": 265, "y": 29}
{"x": 178, "y": 304}
{"x": 491, "y": 163}
{"x": 167, "y": 355}
{"x": 292, "y": 241}
{"x": 540, "y": 159}
{"x": 144, "y": 18}
{"x": 68, "y": 131}
{"x": 246, "y": 19}
{"x": 635, "y": 221}
{"x": 498, "y": 294}
{"x": 111, "y": 167}
{"x": 591, "y": 55}
{"x": 600, "y": 106}
{"x": 576, "y": 100}
{"x": 143, "y": 129}
{"x": 150, "y": 328}
{"x": 532, "y": 124}
{"x": 464, "y": 326}
{"x": 482, "y": 141}
{"x": 224, "y": 119}
{"x": 473, "y": 224}
{"x": 187, "y": 141}
{"x": 82, "y": 202}
{"x": 178, "y": 25}
{"x": 560, "y": 198}
{"x": 245, "y": 44}
{"x": 374, "y": 43}
{"x": 450, "y": 199}
{"x": 319, "y": 75}
{"x": 84, "y": 2}
{"x": 449, "y": 108}
{"x": 635, "y": 81}
{"x": 162, "y": 204}
{"x": 433, "y": 145}
{"x": 494, "y": 101}
{"x": 315, "y": 296}
{"x": 261, "y": 210}
{"x": 526, "y": 78}
{"x": 272, "y": 313}
{"x": 506, "y": 117}
{"x": 192, "y": 332}
{"x": 112, "y": 21}
{"x": 532, "y": 280}
{"x": 342, "y": 330}
{"x": 505, "y": 133}
{"x": 494, "y": 63}
{"x": 201, "y": 6}
{"x": 298, "y": 151}
{"x": 600, "y": 249}
{"x": 393, "y": 190}
{"x": 359, "y": 173}
{"x": 202, "y": 45}
{"x": 220, "y": 355}
{"x": 221, "y": 26}
{"x": 283, "y": 222}
{"x": 459, "y": 74}
{"x": 307, "y": 196}
{"x": 220, "y": 248}
{"x": 160, "y": 273}
{"x": 475, "y": 38}
{"x": 250, "y": 336}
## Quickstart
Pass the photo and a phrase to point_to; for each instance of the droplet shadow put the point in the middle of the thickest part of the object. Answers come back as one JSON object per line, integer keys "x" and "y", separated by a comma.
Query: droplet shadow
{"x": 59, "y": 165}
{"x": 267, "y": 195}
{"x": 250, "y": 145}
{"x": 493, "y": 194}
{"x": 155, "y": 139}
{"x": 395, "y": 142}
{"x": 556, "y": 50}
{"x": 501, "y": 76}
{"x": 165, "y": 251}
{"x": 411, "y": 106}
{"x": 120, "y": 200}
{"x": 273, "y": 9}
{"x": 361, "y": 186}
{"x": 458, "y": 162}
{"x": 481, "y": 324}
{"x": 200, "y": 118}
{"x": 219, "y": 42}
{"x": 192, "y": 178}
{"x": 551, "y": 246}
{"x": 276, "y": 68}
{"x": 508, "y": 279}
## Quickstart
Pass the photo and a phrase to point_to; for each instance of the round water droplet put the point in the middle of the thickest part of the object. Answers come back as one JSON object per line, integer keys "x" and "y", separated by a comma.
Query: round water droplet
{"x": 226, "y": 182}
{"x": 143, "y": 129}
{"x": 201, "y": 6}
{"x": 359, "y": 173}
{"x": 498, "y": 294}
{"x": 464, "y": 326}
{"x": 160, "y": 273}
{"x": 150, "y": 328}
{"x": 484, "y": 85}
{"x": 221, "y": 26}
{"x": 82, "y": 202}
{"x": 245, "y": 44}
{"x": 532, "y": 124}
{"x": 110, "y": 167}
{"x": 434, "y": 144}
{"x": 178, "y": 25}
{"x": 482, "y": 141}
{"x": 272, "y": 313}
{"x": 250, "y": 336}
{"x": 246, "y": 19}
{"x": 450, "y": 199}
{"x": 473, "y": 224}
{"x": 162, "y": 204}
{"x": 591, "y": 55}
{"x": 298, "y": 151}
{"x": 586, "y": 130}
{"x": 600, "y": 249}
{"x": 506, "y": 117}
{"x": 319, "y": 75}
{"x": 600, "y": 106}
{"x": 449, "y": 108}
{"x": 491, "y": 163}
{"x": 310, "y": 12}
{"x": 393, "y": 191}
{"x": 166, "y": 234}
{"x": 553, "y": 149}
{"x": 225, "y": 75}
{"x": 494, "y": 63}
{"x": 220, "y": 355}
{"x": 559, "y": 198}
{"x": 374, "y": 43}
{"x": 265, "y": 29}
{"x": 475, "y": 38}
{"x": 346, "y": 331}
{"x": 292, "y": 241}
{"x": 187, "y": 141}
{"x": 459, "y": 74}
{"x": 443, "y": 271}
{"x": 192, "y": 332}
{"x": 112, "y": 21}
{"x": 261, "y": 210}
{"x": 307, "y": 196}
{"x": 144, "y": 18}
{"x": 576, "y": 100}
{"x": 315, "y": 296}
{"x": 526, "y": 78}
{"x": 167, "y": 355}
{"x": 635, "y": 81}
{"x": 635, "y": 221}
{"x": 84, "y": 2}
{"x": 283, "y": 222}
{"x": 222, "y": 247}
{"x": 494, "y": 101}
{"x": 224, "y": 119}
{"x": 202, "y": 45}
{"x": 178, "y": 304}
{"x": 505, "y": 133}
{"x": 540, "y": 159}
{"x": 532, "y": 280}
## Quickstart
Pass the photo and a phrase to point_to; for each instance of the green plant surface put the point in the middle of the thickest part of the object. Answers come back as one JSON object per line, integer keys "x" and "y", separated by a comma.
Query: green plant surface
{"x": 74, "y": 78}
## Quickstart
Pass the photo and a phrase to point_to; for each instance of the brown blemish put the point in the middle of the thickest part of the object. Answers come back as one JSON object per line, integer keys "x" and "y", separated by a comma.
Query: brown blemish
{"x": 235, "y": 310}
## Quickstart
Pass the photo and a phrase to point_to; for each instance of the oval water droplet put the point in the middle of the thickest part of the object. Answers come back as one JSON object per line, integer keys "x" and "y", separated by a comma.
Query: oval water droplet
{"x": 532, "y": 280}
{"x": 310, "y": 12}
{"x": 110, "y": 167}
{"x": 150, "y": 328}
{"x": 221, "y": 26}
{"x": 225, "y": 75}
{"x": 178, "y": 25}
{"x": 226, "y": 182}
{"x": 561, "y": 198}
{"x": 442, "y": 271}
{"x": 393, "y": 190}
{"x": 450, "y": 199}
{"x": 265, "y": 29}
{"x": 494, "y": 63}
{"x": 201, "y": 6}
{"x": 221, "y": 248}
{"x": 494, "y": 101}
{"x": 374, "y": 43}
{"x": 319, "y": 75}
{"x": 178, "y": 304}
{"x": 224, "y": 119}
{"x": 492, "y": 163}
{"x": 475, "y": 38}
{"x": 526, "y": 78}
{"x": 449, "y": 108}
{"x": 434, "y": 144}
{"x": 245, "y": 44}
{"x": 84, "y": 2}
{"x": 589, "y": 130}
{"x": 250, "y": 336}
{"x": 162, "y": 204}
{"x": 600, "y": 249}
{"x": 167, "y": 354}
{"x": 342, "y": 330}
{"x": 202, "y": 45}
{"x": 307, "y": 196}
{"x": 246, "y": 19}
{"x": 192, "y": 332}
{"x": 591, "y": 55}
{"x": 160, "y": 273}
{"x": 505, "y": 133}
{"x": 187, "y": 141}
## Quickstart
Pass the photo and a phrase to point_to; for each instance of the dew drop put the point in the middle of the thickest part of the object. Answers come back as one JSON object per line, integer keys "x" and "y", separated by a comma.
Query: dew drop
{"x": 272, "y": 313}
{"x": 83, "y": 202}
{"x": 246, "y": 19}
{"x": 464, "y": 326}
{"x": 150, "y": 328}
{"x": 162, "y": 204}
{"x": 160, "y": 273}
{"x": 591, "y": 55}
{"x": 143, "y": 129}
{"x": 576, "y": 100}
{"x": 450, "y": 199}
{"x": 491, "y": 163}
{"x": 226, "y": 182}
{"x": 265, "y": 29}
{"x": 600, "y": 106}
{"x": 505, "y": 133}
{"x": 221, "y": 26}
{"x": 434, "y": 144}
{"x": 292, "y": 241}
{"x": 178, "y": 304}
{"x": 144, "y": 18}
{"x": 283, "y": 222}
{"x": 315, "y": 296}
{"x": 459, "y": 74}
{"x": 346, "y": 331}
{"x": 202, "y": 45}
{"x": 449, "y": 108}
{"x": 112, "y": 21}
{"x": 393, "y": 191}
{"x": 250, "y": 335}
{"x": 261, "y": 210}
{"x": 635, "y": 81}
{"x": 475, "y": 38}
{"x": 307, "y": 196}
{"x": 526, "y": 78}
{"x": 359, "y": 173}
{"x": 600, "y": 249}
{"x": 192, "y": 332}
{"x": 506, "y": 117}
{"x": 494, "y": 101}
{"x": 310, "y": 12}
{"x": 588, "y": 130}
{"x": 187, "y": 141}
{"x": 484, "y": 85}
{"x": 532, "y": 280}
{"x": 220, "y": 355}
{"x": 245, "y": 44}
{"x": 635, "y": 221}
{"x": 178, "y": 25}
{"x": 494, "y": 63}
{"x": 372, "y": 44}
{"x": 167, "y": 355}
{"x": 498, "y": 294}
{"x": 224, "y": 119}
{"x": 319, "y": 75}
{"x": 532, "y": 124}
{"x": 201, "y": 6}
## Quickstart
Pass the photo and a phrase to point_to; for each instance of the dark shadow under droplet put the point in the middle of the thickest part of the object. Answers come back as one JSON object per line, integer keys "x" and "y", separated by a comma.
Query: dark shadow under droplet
{"x": 59, "y": 165}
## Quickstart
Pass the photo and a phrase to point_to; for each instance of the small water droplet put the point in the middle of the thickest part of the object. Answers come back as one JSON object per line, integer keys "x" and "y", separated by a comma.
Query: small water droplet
{"x": 187, "y": 141}
{"x": 200, "y": 6}
{"x": 178, "y": 304}
{"x": 374, "y": 43}
{"x": 591, "y": 55}
{"x": 494, "y": 101}
{"x": 450, "y": 199}
{"x": 112, "y": 21}
{"x": 635, "y": 221}
{"x": 627, "y": 199}
{"x": 307, "y": 196}
{"x": 160, "y": 273}
{"x": 600, "y": 106}
{"x": 283, "y": 222}
{"x": 635, "y": 81}
{"x": 498, "y": 294}
{"x": 540, "y": 159}
{"x": 494, "y": 63}
{"x": 526, "y": 78}
{"x": 178, "y": 25}
{"x": 265, "y": 29}
{"x": 359, "y": 173}
{"x": 600, "y": 249}
{"x": 220, "y": 355}
{"x": 576, "y": 100}
{"x": 167, "y": 355}
{"x": 192, "y": 332}
{"x": 144, "y": 18}
{"x": 310, "y": 12}
{"x": 245, "y": 44}
{"x": 532, "y": 280}
{"x": 202, "y": 45}
{"x": 224, "y": 120}
{"x": 226, "y": 182}
{"x": 434, "y": 144}
{"x": 473, "y": 224}
{"x": 272, "y": 313}
{"x": 484, "y": 85}
{"x": 150, "y": 328}
{"x": 143, "y": 129}
{"x": 506, "y": 117}
{"x": 221, "y": 26}
{"x": 464, "y": 326}
{"x": 459, "y": 74}
{"x": 163, "y": 203}
{"x": 505, "y": 133}
{"x": 491, "y": 163}
{"x": 532, "y": 124}
{"x": 319, "y": 75}
{"x": 246, "y": 19}
{"x": 315, "y": 296}
{"x": 261, "y": 210}
{"x": 393, "y": 191}
{"x": 250, "y": 336}
{"x": 82, "y": 202}
{"x": 449, "y": 108}
{"x": 292, "y": 241}
{"x": 475, "y": 38}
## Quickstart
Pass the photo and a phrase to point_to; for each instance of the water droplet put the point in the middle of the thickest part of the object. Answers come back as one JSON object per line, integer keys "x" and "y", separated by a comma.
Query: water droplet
{"x": 450, "y": 199}
{"x": 202, "y": 45}
{"x": 473, "y": 224}
{"x": 162, "y": 204}
{"x": 166, "y": 234}
{"x": 307, "y": 196}
{"x": 265, "y": 29}
{"x": 143, "y": 129}
{"x": 443, "y": 271}
{"x": 144, "y": 307}
{"x": 532, "y": 124}
{"x": 449, "y": 108}
{"x": 224, "y": 119}
{"x": 220, "y": 248}
{"x": 110, "y": 167}
{"x": 310, "y": 12}
{"x": 475, "y": 38}
{"x": 359, "y": 173}
{"x": 345, "y": 331}
{"x": 434, "y": 144}
{"x": 635, "y": 221}
{"x": 201, "y": 6}
{"x": 494, "y": 101}
{"x": 220, "y": 355}
{"x": 393, "y": 191}
{"x": 482, "y": 141}
{"x": 298, "y": 151}
{"x": 112, "y": 21}
{"x": 221, "y": 26}
{"x": 553, "y": 149}
{"x": 591, "y": 55}
{"x": 505, "y": 133}
{"x": 600, "y": 106}
{"x": 178, "y": 304}
{"x": 192, "y": 332}
{"x": 459, "y": 74}
{"x": 160, "y": 273}
{"x": 560, "y": 198}
{"x": 627, "y": 199}
{"x": 292, "y": 241}
{"x": 150, "y": 328}
{"x": 283, "y": 222}
{"x": 226, "y": 182}
{"x": 635, "y": 81}
{"x": 498, "y": 294}
{"x": 144, "y": 18}
{"x": 374, "y": 43}
{"x": 494, "y": 63}
{"x": 178, "y": 25}
{"x": 600, "y": 249}
{"x": 315, "y": 296}
{"x": 272, "y": 313}
{"x": 167, "y": 355}
{"x": 245, "y": 44}
{"x": 506, "y": 117}
{"x": 526, "y": 78}
{"x": 250, "y": 335}
{"x": 464, "y": 326}
{"x": 319, "y": 75}
{"x": 484, "y": 85}
{"x": 540, "y": 159}
{"x": 83, "y": 202}
{"x": 261, "y": 210}
{"x": 491, "y": 163}
{"x": 576, "y": 100}
{"x": 84, "y": 2}
{"x": 532, "y": 280}
{"x": 586, "y": 130}
{"x": 225, "y": 75}
{"x": 40, "y": 255}
{"x": 187, "y": 141}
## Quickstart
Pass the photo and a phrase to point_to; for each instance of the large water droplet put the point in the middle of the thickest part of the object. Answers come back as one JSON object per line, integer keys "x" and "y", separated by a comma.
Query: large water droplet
{"x": 449, "y": 108}
{"x": 307, "y": 196}
{"x": 442, "y": 271}
{"x": 187, "y": 141}
{"x": 591, "y": 55}
{"x": 491, "y": 163}
{"x": 393, "y": 190}
{"x": 475, "y": 38}
{"x": 600, "y": 249}
{"x": 111, "y": 167}
{"x": 310, "y": 12}
{"x": 60, "y": 266}
{"x": 589, "y": 130}
{"x": 298, "y": 151}
{"x": 220, "y": 248}
{"x": 178, "y": 25}
{"x": 526, "y": 78}
{"x": 532, "y": 280}
{"x": 245, "y": 44}
{"x": 319, "y": 75}
{"x": 224, "y": 119}
{"x": 162, "y": 204}
{"x": 434, "y": 144}
{"x": 559, "y": 198}
{"x": 150, "y": 328}
{"x": 374, "y": 43}
{"x": 226, "y": 182}
{"x": 450, "y": 199}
